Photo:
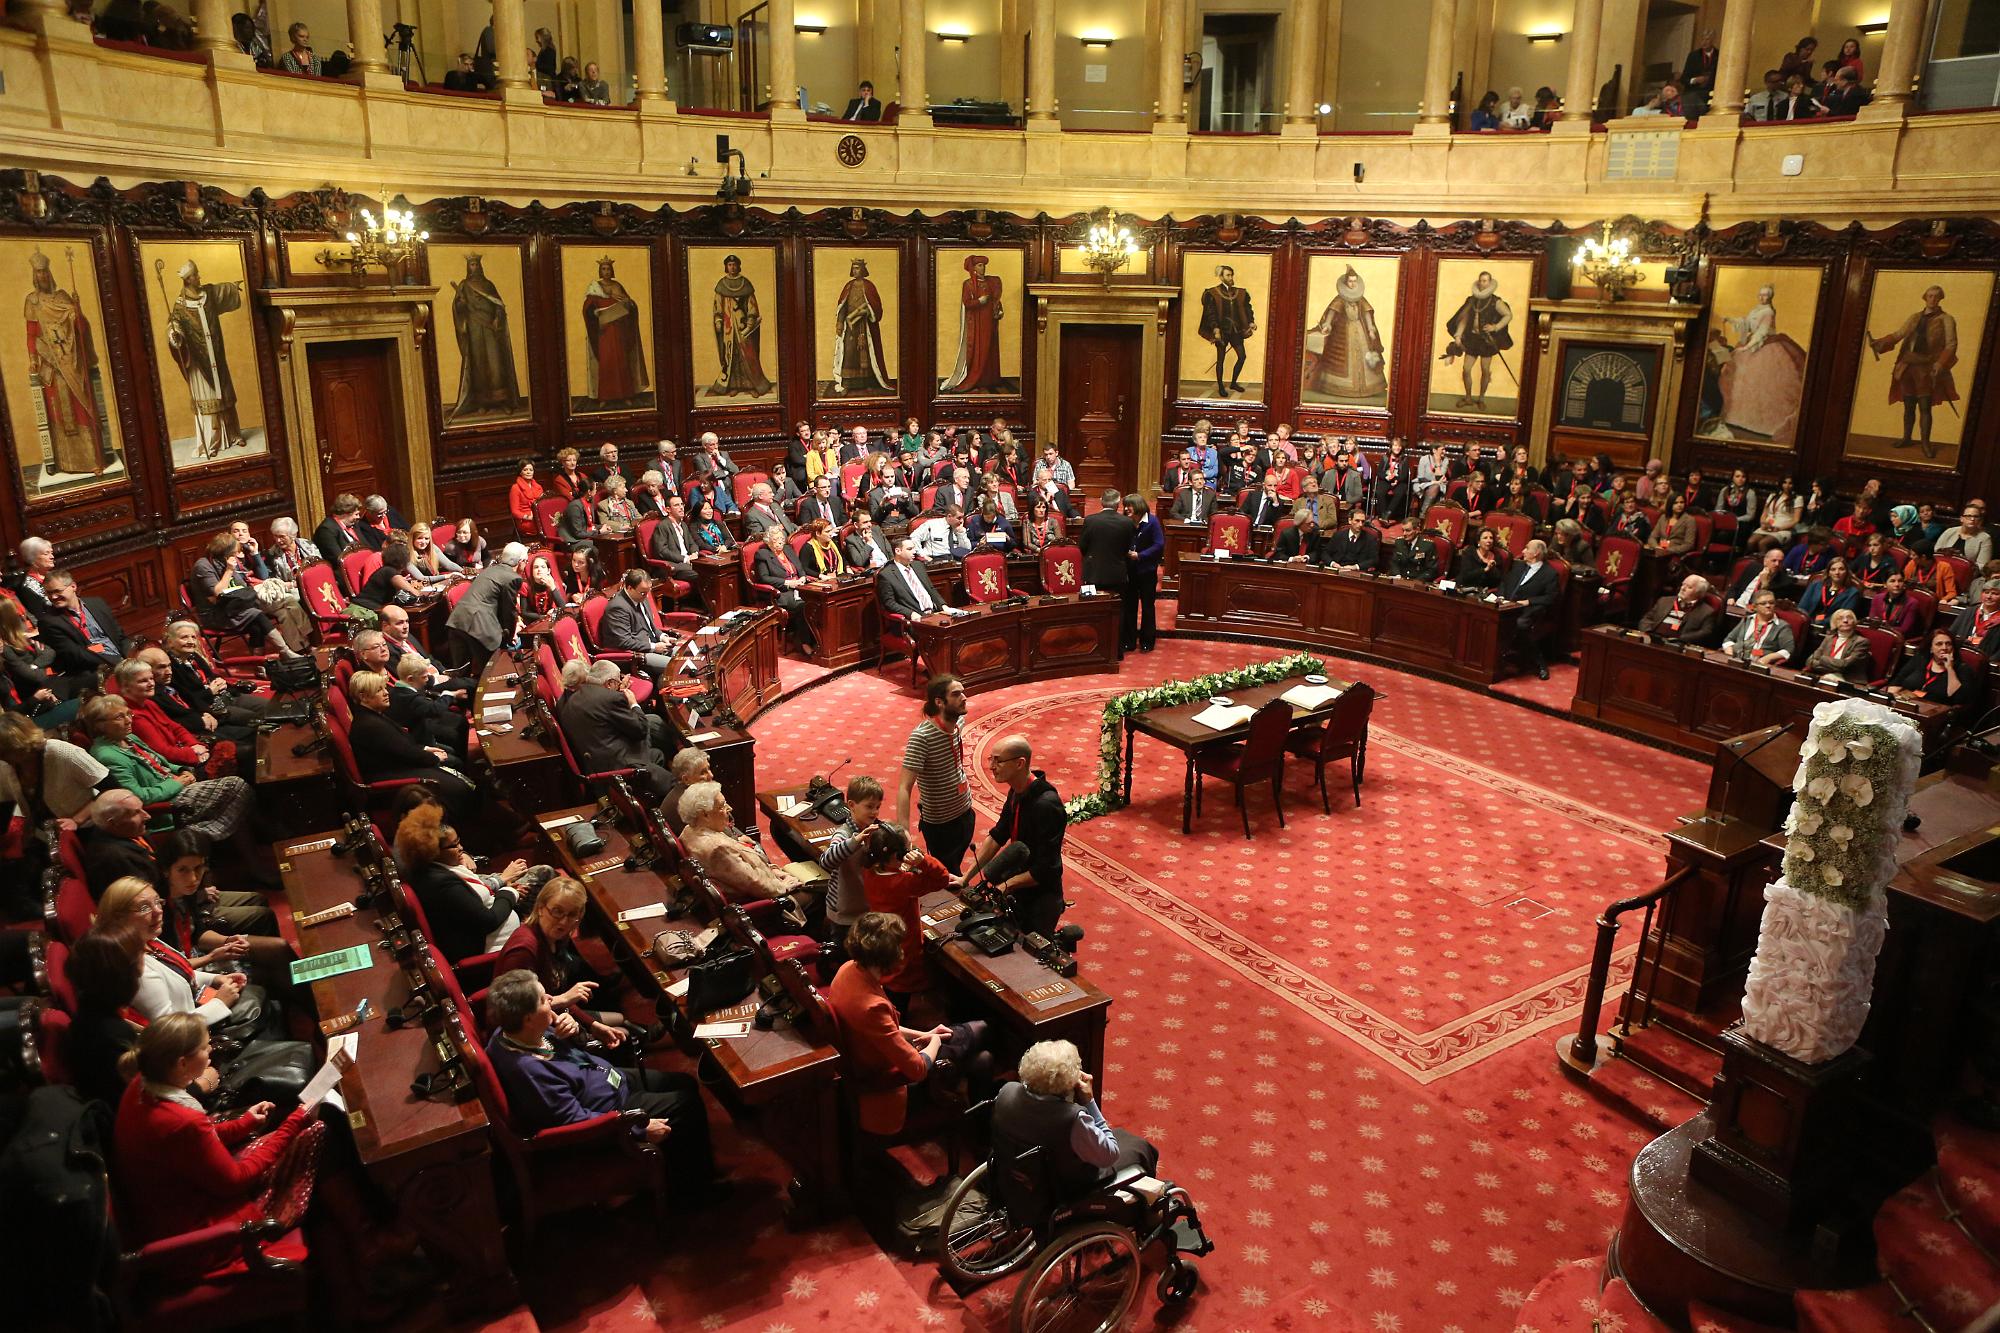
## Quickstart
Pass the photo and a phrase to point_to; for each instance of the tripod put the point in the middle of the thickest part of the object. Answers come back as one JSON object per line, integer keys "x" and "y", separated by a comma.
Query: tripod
{"x": 402, "y": 46}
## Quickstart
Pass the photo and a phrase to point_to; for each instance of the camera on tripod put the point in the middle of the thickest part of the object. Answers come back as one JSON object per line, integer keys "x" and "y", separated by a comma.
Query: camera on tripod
{"x": 402, "y": 36}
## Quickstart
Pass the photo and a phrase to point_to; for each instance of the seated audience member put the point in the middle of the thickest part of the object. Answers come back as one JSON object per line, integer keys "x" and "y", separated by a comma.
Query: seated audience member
{"x": 763, "y": 513}
{"x": 217, "y": 927}
{"x": 1766, "y": 572}
{"x": 169, "y": 981}
{"x": 1843, "y": 652}
{"x": 772, "y": 565}
{"x": 298, "y": 58}
{"x": 1738, "y": 498}
{"x": 1264, "y": 506}
{"x": 38, "y": 561}
{"x": 823, "y": 501}
{"x": 289, "y": 554}
{"x": 1432, "y": 479}
{"x": 104, "y": 970}
{"x": 607, "y": 465}
{"x": 674, "y": 540}
{"x": 1677, "y": 532}
{"x": 990, "y": 530}
{"x": 188, "y": 714}
{"x": 32, "y": 686}
{"x": 81, "y": 630}
{"x": 380, "y": 523}
{"x": 1194, "y": 502}
{"x": 1480, "y": 565}
{"x": 385, "y": 752}
{"x": 1797, "y": 103}
{"x": 397, "y": 645}
{"x": 1906, "y": 528}
{"x": 820, "y": 555}
{"x": 1300, "y": 544}
{"x": 1685, "y": 616}
{"x": 689, "y": 766}
{"x": 550, "y": 1080}
{"x": 1845, "y": 95}
{"x": 1415, "y": 556}
{"x": 867, "y": 546}
{"x": 1781, "y": 514}
{"x": 202, "y": 683}
{"x": 224, "y": 598}
{"x": 617, "y": 515}
{"x": 1515, "y": 113}
{"x": 340, "y": 531}
{"x": 630, "y": 625}
{"x": 942, "y": 536}
{"x": 394, "y": 581}
{"x": 583, "y": 571}
{"x": 219, "y": 807}
{"x": 1857, "y": 524}
{"x": 578, "y": 525}
{"x": 1925, "y": 570}
{"x": 113, "y": 843}
{"x": 418, "y": 711}
{"x": 1355, "y": 547}
{"x": 710, "y": 533}
{"x": 469, "y": 913}
{"x": 1894, "y": 608}
{"x": 1760, "y": 636}
{"x": 568, "y": 480}
{"x": 1820, "y": 508}
{"x": 1766, "y": 104}
{"x": 1835, "y": 590}
{"x": 1573, "y": 545}
{"x": 989, "y": 491}
{"x": 430, "y": 564}
{"x": 904, "y": 587}
{"x": 545, "y": 945}
{"x": 883, "y": 1058}
{"x": 1486, "y": 116}
{"x": 1810, "y": 558}
{"x": 734, "y": 863}
{"x": 1479, "y": 498}
{"x": 43, "y": 777}
{"x": 1932, "y": 675}
{"x": 1969, "y": 539}
{"x": 606, "y": 728}
{"x": 1987, "y": 575}
{"x": 460, "y": 78}
{"x": 139, "y": 686}
{"x": 523, "y": 495}
{"x": 1978, "y": 625}
{"x": 1875, "y": 564}
{"x": 1054, "y": 1109}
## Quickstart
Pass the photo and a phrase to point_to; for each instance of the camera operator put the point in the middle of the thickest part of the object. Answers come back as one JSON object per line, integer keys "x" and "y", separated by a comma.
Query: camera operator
{"x": 1033, "y": 816}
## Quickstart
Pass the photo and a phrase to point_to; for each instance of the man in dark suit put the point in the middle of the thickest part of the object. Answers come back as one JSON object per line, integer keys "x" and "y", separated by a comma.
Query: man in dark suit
{"x": 855, "y": 447}
{"x": 904, "y": 588}
{"x": 958, "y": 491}
{"x": 1301, "y": 543}
{"x": 578, "y": 524}
{"x": 715, "y": 468}
{"x": 1106, "y": 542}
{"x": 1194, "y": 503}
{"x": 1684, "y": 617}
{"x": 763, "y": 512}
{"x": 864, "y": 107}
{"x": 1532, "y": 579}
{"x": 824, "y": 502}
{"x": 484, "y": 619}
{"x": 673, "y": 476}
{"x": 673, "y": 540}
{"x": 867, "y": 546}
{"x": 795, "y": 454}
{"x": 113, "y": 843}
{"x": 1265, "y": 506}
{"x": 379, "y": 521}
{"x": 81, "y": 631}
{"x": 606, "y": 728}
{"x": 1356, "y": 546}
{"x": 340, "y": 531}
{"x": 629, "y": 625}
{"x": 428, "y": 719}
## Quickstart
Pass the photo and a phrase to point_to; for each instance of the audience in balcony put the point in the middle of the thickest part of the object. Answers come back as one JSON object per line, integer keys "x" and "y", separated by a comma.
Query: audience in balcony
{"x": 1798, "y": 102}
{"x": 1516, "y": 114}
{"x": 1845, "y": 95}
{"x": 1548, "y": 107}
{"x": 547, "y": 60}
{"x": 569, "y": 81}
{"x": 1486, "y": 116}
{"x": 1665, "y": 102}
{"x": 462, "y": 77}
{"x": 1799, "y": 60}
{"x": 1698, "y": 73}
{"x": 595, "y": 90}
{"x": 251, "y": 40}
{"x": 1765, "y": 105}
{"x": 863, "y": 106}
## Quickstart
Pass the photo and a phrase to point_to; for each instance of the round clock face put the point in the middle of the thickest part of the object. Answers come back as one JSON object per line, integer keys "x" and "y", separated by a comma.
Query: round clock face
{"x": 851, "y": 150}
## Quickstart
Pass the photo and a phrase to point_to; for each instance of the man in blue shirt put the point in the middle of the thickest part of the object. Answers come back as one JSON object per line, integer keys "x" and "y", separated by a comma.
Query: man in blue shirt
{"x": 1054, "y": 1108}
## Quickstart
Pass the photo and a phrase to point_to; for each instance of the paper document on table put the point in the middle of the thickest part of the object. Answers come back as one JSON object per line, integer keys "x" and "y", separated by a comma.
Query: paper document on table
{"x": 1221, "y": 717}
{"x": 339, "y": 1059}
{"x": 1309, "y": 697}
{"x": 722, "y": 1031}
{"x": 806, "y": 872}
{"x": 497, "y": 696}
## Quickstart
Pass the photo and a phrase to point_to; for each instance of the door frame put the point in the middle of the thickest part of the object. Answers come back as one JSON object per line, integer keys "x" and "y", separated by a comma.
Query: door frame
{"x": 1061, "y": 304}
{"x": 303, "y": 316}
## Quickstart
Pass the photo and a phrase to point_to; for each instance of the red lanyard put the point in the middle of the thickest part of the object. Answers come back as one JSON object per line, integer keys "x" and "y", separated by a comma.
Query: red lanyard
{"x": 145, "y": 755}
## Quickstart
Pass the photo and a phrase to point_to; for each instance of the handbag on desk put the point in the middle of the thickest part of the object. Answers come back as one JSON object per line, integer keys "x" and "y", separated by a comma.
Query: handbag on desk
{"x": 721, "y": 979}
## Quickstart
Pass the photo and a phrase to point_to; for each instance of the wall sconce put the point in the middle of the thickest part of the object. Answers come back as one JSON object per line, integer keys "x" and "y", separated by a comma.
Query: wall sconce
{"x": 960, "y": 37}
{"x": 810, "y": 29}
{"x": 1534, "y": 37}
{"x": 1096, "y": 43}
{"x": 1875, "y": 29}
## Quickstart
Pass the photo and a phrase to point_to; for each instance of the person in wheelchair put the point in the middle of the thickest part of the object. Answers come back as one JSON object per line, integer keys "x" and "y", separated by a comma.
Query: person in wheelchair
{"x": 1054, "y": 1108}
{"x": 884, "y": 1058}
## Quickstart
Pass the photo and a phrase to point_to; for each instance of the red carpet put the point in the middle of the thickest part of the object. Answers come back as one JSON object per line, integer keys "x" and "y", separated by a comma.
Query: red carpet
{"x": 1340, "y": 1034}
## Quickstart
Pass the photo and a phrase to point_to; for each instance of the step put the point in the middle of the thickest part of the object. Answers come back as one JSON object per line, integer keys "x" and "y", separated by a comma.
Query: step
{"x": 1573, "y": 1298}
{"x": 1672, "y": 1057}
{"x": 1930, "y": 1260}
{"x": 1638, "y": 1092}
{"x": 1969, "y": 1171}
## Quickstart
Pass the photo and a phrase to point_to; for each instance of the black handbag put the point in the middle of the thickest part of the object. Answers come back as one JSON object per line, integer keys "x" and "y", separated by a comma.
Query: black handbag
{"x": 267, "y": 1071}
{"x": 293, "y": 675}
{"x": 720, "y": 980}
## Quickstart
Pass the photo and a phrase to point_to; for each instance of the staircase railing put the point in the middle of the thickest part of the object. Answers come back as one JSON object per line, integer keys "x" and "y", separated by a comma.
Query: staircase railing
{"x": 1583, "y": 1050}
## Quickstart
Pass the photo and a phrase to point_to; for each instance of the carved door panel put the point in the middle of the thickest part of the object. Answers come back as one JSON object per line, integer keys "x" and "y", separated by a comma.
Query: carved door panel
{"x": 1098, "y": 415}
{"x": 357, "y": 417}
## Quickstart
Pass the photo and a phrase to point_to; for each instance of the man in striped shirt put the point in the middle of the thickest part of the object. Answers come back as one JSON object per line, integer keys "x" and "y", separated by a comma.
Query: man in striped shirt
{"x": 934, "y": 764}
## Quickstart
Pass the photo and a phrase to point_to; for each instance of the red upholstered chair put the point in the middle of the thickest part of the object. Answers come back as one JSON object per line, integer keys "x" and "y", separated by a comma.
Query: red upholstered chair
{"x": 664, "y": 581}
{"x": 45, "y": 1042}
{"x": 68, "y": 907}
{"x": 592, "y": 616}
{"x": 1539, "y": 497}
{"x": 1344, "y": 735}
{"x": 740, "y": 484}
{"x": 51, "y": 965}
{"x": 1062, "y": 569}
{"x": 1258, "y": 757}
{"x": 1962, "y": 571}
{"x": 1441, "y": 544}
{"x": 1885, "y": 648}
{"x": 762, "y": 594}
{"x": 1926, "y": 603}
{"x": 929, "y": 496}
{"x": 1899, "y": 553}
{"x": 1513, "y": 530}
{"x": 442, "y": 533}
{"x": 1617, "y": 562}
{"x": 1453, "y": 514}
{"x": 986, "y": 576}
{"x": 214, "y": 638}
{"x": 547, "y": 510}
{"x": 1231, "y": 533}
{"x": 454, "y": 594}
{"x": 1704, "y": 532}
{"x": 850, "y": 478}
{"x": 567, "y": 635}
{"x": 1797, "y": 624}
{"x": 474, "y": 971}
{"x": 358, "y": 564}
{"x": 1721, "y": 541}
{"x": 324, "y": 601}
{"x": 1278, "y": 531}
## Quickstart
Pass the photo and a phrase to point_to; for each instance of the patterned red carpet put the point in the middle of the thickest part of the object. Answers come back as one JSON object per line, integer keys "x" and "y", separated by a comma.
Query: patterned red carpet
{"x": 1340, "y": 1034}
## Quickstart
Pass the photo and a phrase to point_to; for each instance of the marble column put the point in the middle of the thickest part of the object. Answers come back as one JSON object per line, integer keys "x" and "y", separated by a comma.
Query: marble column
{"x": 211, "y": 26}
{"x": 783, "y": 88}
{"x": 649, "y": 52}
{"x": 510, "y": 43}
{"x": 913, "y": 94}
{"x": 1169, "y": 96}
{"x": 1902, "y": 51}
{"x": 1732, "y": 62}
{"x": 1302, "y": 99}
{"x": 1437, "y": 63}
{"x": 1042, "y": 64}
{"x": 364, "y": 29}
{"x": 1581, "y": 95}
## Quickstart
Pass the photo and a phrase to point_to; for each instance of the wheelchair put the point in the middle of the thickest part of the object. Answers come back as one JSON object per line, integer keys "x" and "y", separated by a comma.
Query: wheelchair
{"x": 1083, "y": 1259}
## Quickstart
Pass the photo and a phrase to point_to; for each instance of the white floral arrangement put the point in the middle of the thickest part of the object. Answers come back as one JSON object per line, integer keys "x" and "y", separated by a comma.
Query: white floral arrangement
{"x": 1809, "y": 985}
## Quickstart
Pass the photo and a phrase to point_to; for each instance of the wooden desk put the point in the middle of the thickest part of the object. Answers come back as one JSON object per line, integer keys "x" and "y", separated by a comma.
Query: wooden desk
{"x": 788, "y": 1081}
{"x": 991, "y": 646}
{"x": 719, "y": 580}
{"x": 296, "y": 790}
{"x": 1698, "y": 700}
{"x": 739, "y": 664}
{"x": 844, "y": 620}
{"x": 1176, "y": 727}
{"x": 1183, "y": 539}
{"x": 528, "y": 770}
{"x": 431, "y": 1155}
{"x": 1465, "y": 638}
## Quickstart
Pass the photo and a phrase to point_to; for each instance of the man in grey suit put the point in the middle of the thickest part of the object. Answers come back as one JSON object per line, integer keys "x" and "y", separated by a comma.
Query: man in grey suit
{"x": 867, "y": 546}
{"x": 1194, "y": 503}
{"x": 763, "y": 512}
{"x": 483, "y": 621}
{"x": 904, "y": 588}
{"x": 606, "y": 729}
{"x": 629, "y": 625}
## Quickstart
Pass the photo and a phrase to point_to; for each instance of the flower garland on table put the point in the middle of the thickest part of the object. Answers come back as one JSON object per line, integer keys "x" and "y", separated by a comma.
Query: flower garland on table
{"x": 1809, "y": 985}
{"x": 1170, "y": 695}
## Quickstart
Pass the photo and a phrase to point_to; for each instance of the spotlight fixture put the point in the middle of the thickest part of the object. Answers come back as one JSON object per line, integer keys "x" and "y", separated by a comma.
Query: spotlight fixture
{"x": 1875, "y": 29}
{"x": 1096, "y": 43}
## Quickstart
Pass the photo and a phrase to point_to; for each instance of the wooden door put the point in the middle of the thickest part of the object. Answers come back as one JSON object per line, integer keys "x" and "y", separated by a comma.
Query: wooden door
{"x": 1097, "y": 416}
{"x": 357, "y": 417}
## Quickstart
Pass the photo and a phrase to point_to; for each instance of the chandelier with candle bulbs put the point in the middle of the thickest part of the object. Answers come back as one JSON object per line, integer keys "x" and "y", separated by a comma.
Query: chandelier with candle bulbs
{"x": 1109, "y": 247}
{"x": 389, "y": 243}
{"x": 1608, "y": 261}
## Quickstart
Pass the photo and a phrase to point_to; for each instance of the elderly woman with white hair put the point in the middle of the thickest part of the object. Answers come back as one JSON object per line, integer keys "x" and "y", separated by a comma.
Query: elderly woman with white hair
{"x": 1054, "y": 1108}
{"x": 288, "y": 554}
{"x": 735, "y": 863}
{"x": 1844, "y": 652}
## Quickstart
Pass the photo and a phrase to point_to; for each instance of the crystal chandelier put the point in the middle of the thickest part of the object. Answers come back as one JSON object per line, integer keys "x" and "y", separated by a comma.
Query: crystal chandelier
{"x": 389, "y": 243}
{"x": 1109, "y": 247}
{"x": 1608, "y": 261}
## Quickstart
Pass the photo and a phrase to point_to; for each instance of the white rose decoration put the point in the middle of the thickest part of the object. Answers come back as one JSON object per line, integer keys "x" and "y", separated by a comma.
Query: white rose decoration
{"x": 1858, "y": 788}
{"x": 1822, "y": 789}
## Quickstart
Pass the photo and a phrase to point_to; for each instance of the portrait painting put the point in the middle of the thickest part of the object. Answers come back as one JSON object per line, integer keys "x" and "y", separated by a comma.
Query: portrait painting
{"x": 200, "y": 326}
{"x": 732, "y": 293}
{"x": 607, "y": 294}
{"x": 1923, "y": 346}
{"x": 857, "y": 315}
{"x": 979, "y": 333}
{"x": 1754, "y": 357}
{"x": 54, "y": 369}
{"x": 482, "y": 343}
{"x": 1478, "y": 322}
{"x": 1224, "y": 299}
{"x": 1352, "y": 305}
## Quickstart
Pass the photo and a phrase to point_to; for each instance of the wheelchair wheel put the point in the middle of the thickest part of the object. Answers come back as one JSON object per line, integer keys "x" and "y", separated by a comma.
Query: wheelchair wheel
{"x": 976, "y": 1241}
{"x": 1177, "y": 1282}
{"x": 1084, "y": 1281}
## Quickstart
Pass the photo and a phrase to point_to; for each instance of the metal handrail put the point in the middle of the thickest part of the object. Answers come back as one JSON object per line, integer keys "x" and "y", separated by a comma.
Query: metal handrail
{"x": 1583, "y": 1051}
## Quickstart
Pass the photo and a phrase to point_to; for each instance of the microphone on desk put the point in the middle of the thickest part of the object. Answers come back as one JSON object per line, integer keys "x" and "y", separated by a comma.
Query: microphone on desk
{"x": 1729, "y": 774}
{"x": 1006, "y": 863}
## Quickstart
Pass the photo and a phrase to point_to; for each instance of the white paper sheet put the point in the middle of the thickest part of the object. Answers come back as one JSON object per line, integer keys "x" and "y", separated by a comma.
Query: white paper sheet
{"x": 739, "y": 1028}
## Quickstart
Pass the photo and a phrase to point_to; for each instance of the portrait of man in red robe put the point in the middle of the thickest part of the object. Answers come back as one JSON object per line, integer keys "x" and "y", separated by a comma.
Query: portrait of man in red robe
{"x": 63, "y": 359}
{"x": 857, "y": 336}
{"x": 617, "y": 357}
{"x": 980, "y": 312}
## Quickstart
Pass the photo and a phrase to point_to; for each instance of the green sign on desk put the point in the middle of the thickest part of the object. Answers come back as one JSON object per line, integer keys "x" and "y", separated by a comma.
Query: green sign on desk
{"x": 321, "y": 966}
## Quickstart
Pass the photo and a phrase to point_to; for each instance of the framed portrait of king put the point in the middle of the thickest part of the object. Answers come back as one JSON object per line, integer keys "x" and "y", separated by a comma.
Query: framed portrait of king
{"x": 1225, "y": 297}
{"x": 607, "y": 295}
{"x": 857, "y": 318}
{"x": 483, "y": 338}
{"x": 1923, "y": 347}
{"x": 1479, "y": 317}
{"x": 55, "y": 368}
{"x": 204, "y": 344}
{"x": 980, "y": 301}
{"x": 733, "y": 323}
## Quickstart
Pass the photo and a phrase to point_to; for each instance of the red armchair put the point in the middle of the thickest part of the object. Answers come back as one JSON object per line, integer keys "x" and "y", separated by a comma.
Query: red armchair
{"x": 358, "y": 564}
{"x": 1344, "y": 735}
{"x": 986, "y": 576}
{"x": 547, "y": 510}
{"x": 1617, "y": 562}
{"x": 1258, "y": 757}
{"x": 667, "y": 584}
{"x": 1231, "y": 533}
{"x": 319, "y": 588}
{"x": 1062, "y": 569}
{"x": 339, "y": 721}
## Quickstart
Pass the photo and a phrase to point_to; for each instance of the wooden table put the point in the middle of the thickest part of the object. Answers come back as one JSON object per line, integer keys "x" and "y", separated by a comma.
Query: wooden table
{"x": 1698, "y": 698}
{"x": 430, "y": 1154}
{"x": 1176, "y": 727}
{"x": 844, "y": 619}
{"x": 1048, "y": 637}
{"x": 719, "y": 580}
{"x": 1183, "y": 539}
{"x": 528, "y": 770}
{"x": 296, "y": 790}
{"x": 786, "y": 1079}
{"x": 1399, "y": 621}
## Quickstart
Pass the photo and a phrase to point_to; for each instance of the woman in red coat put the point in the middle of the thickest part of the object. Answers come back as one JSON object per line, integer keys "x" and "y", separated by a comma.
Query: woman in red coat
{"x": 883, "y": 1057}
{"x": 895, "y": 877}
{"x": 523, "y": 494}
{"x": 169, "y": 738}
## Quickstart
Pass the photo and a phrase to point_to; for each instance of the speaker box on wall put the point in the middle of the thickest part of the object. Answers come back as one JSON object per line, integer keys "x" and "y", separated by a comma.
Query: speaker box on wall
{"x": 1560, "y": 268}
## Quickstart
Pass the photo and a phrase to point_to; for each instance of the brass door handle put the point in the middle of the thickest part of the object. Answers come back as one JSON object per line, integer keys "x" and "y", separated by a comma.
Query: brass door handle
{"x": 325, "y": 456}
